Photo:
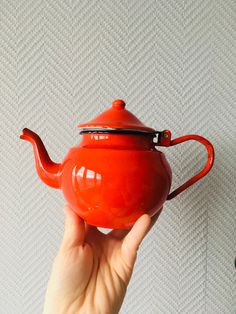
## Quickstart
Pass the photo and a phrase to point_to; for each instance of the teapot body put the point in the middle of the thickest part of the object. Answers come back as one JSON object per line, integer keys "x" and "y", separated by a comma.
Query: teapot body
{"x": 111, "y": 186}
{"x": 115, "y": 174}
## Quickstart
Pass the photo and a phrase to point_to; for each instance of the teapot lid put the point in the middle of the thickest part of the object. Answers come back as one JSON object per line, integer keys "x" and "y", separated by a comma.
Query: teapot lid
{"x": 117, "y": 117}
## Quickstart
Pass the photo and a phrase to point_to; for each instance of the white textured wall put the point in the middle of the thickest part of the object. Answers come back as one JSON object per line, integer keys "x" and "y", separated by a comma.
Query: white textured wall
{"x": 174, "y": 62}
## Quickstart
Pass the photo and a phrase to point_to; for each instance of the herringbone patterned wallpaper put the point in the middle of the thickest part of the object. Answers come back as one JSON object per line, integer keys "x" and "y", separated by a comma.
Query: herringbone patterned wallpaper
{"x": 174, "y": 62}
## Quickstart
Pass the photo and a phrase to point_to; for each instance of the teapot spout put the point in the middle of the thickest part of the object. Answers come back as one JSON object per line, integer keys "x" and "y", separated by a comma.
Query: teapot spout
{"x": 48, "y": 171}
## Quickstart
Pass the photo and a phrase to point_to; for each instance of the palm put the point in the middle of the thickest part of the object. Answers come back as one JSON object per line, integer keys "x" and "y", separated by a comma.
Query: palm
{"x": 105, "y": 274}
{"x": 94, "y": 269}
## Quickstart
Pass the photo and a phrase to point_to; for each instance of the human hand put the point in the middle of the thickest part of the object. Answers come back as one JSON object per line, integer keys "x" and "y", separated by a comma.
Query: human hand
{"x": 91, "y": 271}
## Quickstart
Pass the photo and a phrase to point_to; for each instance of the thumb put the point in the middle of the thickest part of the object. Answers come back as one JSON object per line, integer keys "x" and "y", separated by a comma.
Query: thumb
{"x": 133, "y": 239}
{"x": 74, "y": 231}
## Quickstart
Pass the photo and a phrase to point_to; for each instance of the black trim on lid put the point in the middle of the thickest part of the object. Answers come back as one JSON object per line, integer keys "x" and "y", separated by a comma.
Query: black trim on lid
{"x": 117, "y": 131}
{"x": 160, "y": 134}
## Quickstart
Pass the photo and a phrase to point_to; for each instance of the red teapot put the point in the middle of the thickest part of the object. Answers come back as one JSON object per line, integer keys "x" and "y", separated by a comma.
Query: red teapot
{"x": 116, "y": 173}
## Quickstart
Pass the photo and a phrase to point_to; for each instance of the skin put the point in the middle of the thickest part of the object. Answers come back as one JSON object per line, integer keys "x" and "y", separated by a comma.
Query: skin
{"x": 92, "y": 270}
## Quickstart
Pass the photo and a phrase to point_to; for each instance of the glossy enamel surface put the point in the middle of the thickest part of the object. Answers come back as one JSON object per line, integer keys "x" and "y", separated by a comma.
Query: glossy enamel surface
{"x": 112, "y": 187}
{"x": 111, "y": 179}
{"x": 117, "y": 117}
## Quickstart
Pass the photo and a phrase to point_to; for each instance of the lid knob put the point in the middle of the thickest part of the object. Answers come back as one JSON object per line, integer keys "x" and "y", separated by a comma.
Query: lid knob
{"x": 118, "y": 104}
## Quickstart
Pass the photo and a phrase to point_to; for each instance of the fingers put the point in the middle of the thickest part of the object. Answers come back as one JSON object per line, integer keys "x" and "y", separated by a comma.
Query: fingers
{"x": 155, "y": 217}
{"x": 118, "y": 233}
{"x": 134, "y": 238}
{"x": 74, "y": 232}
{"x": 91, "y": 232}
{"x": 121, "y": 233}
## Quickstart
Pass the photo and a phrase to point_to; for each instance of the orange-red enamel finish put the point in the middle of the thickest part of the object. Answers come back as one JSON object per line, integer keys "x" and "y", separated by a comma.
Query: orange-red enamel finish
{"x": 117, "y": 117}
{"x": 110, "y": 180}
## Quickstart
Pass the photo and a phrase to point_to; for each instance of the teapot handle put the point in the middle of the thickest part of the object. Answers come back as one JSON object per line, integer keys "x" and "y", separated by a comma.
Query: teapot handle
{"x": 165, "y": 140}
